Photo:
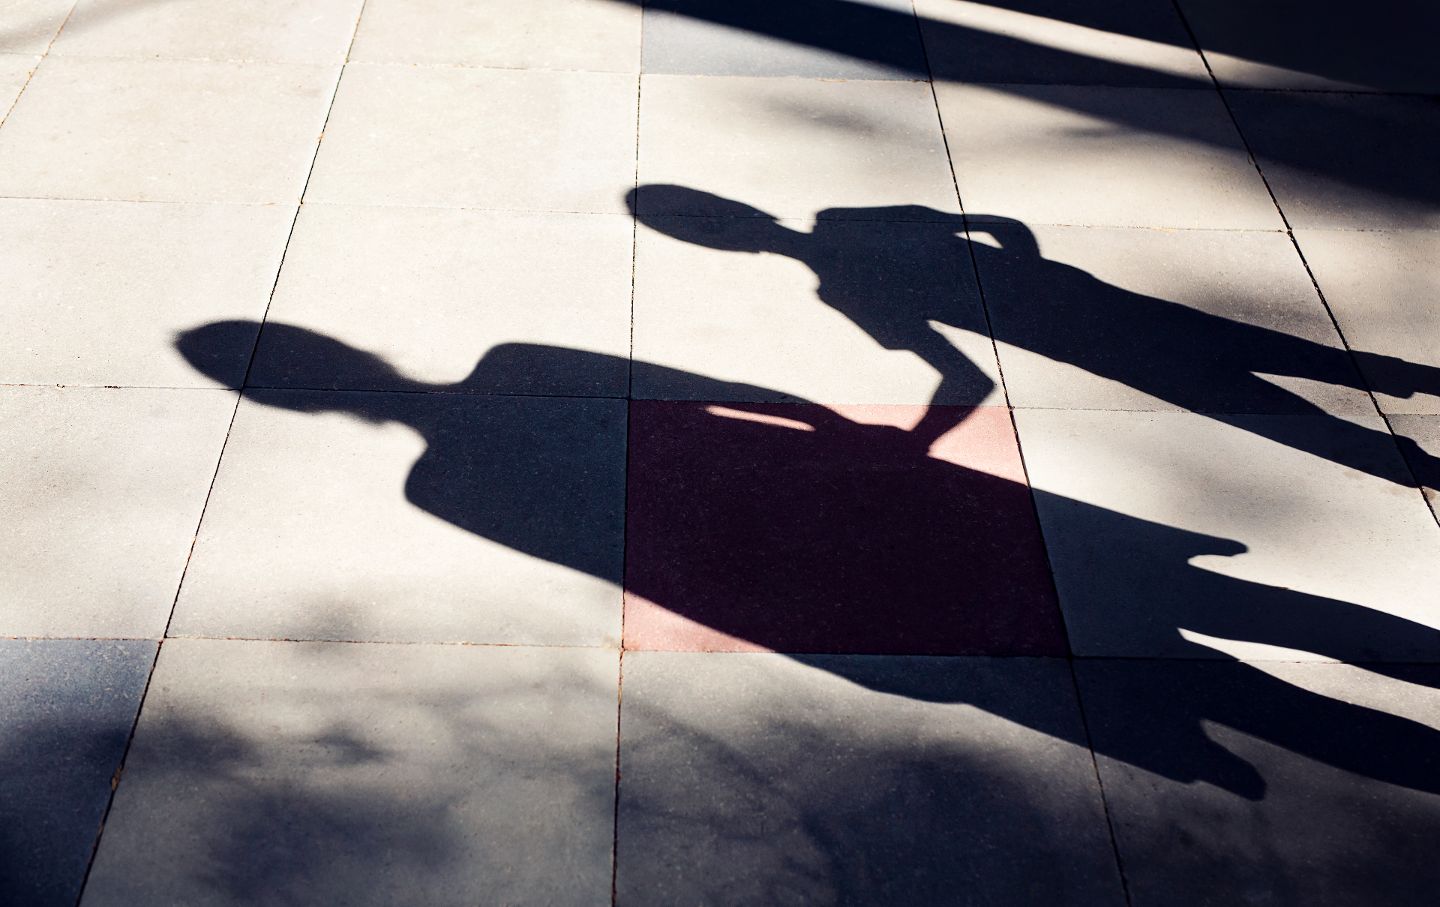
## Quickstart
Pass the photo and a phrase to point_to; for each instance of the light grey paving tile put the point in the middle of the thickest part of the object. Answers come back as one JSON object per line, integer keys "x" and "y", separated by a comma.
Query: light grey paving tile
{"x": 792, "y": 147}
{"x": 1209, "y": 321}
{"x": 857, "y": 39}
{"x": 413, "y": 517}
{"x": 1420, "y": 441}
{"x": 1382, "y": 288}
{"x": 282, "y": 31}
{"x": 1103, "y": 42}
{"x": 432, "y": 290}
{"x": 1346, "y": 160}
{"x": 66, "y": 709}
{"x": 1180, "y": 535}
{"x": 102, "y": 492}
{"x": 284, "y": 772}
{"x": 1130, "y": 157}
{"x": 27, "y": 26}
{"x": 96, "y": 291}
{"x": 1382, "y": 46}
{"x": 554, "y": 141}
{"x": 164, "y": 131}
{"x": 836, "y": 311}
{"x": 538, "y": 34}
{"x": 15, "y": 71}
{"x": 1269, "y": 783}
{"x": 852, "y": 779}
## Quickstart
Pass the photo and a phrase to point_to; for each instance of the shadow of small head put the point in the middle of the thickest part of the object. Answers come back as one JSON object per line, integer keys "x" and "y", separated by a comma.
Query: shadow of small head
{"x": 216, "y": 349}
{"x": 706, "y": 220}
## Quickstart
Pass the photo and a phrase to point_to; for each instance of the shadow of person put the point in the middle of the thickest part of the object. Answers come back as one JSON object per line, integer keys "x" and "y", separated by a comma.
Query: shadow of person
{"x": 801, "y": 529}
{"x": 1188, "y": 358}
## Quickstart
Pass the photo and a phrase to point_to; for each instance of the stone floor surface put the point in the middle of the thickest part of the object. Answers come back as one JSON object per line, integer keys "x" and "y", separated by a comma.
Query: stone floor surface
{"x": 719, "y": 452}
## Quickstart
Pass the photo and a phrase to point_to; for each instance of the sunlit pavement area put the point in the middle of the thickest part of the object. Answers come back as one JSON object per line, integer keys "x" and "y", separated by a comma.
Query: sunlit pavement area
{"x": 719, "y": 452}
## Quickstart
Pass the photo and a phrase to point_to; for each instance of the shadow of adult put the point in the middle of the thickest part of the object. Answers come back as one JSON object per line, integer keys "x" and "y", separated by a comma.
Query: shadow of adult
{"x": 799, "y": 529}
{"x": 1191, "y": 359}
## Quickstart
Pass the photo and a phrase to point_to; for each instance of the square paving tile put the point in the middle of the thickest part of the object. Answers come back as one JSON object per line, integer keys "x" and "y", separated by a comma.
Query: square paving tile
{"x": 280, "y": 31}
{"x": 554, "y": 141}
{"x": 431, "y": 290}
{"x": 1382, "y": 288}
{"x": 413, "y": 518}
{"x": 164, "y": 131}
{"x": 96, "y": 291}
{"x": 736, "y": 299}
{"x": 374, "y": 774}
{"x": 66, "y": 709}
{"x": 797, "y": 528}
{"x": 1268, "y": 783}
{"x": 792, "y": 147}
{"x": 15, "y": 71}
{"x": 1321, "y": 44}
{"x": 855, "y": 39}
{"x": 1180, "y": 535}
{"x": 1109, "y": 42}
{"x": 537, "y": 34}
{"x": 758, "y": 779}
{"x": 1422, "y": 452}
{"x": 31, "y": 24}
{"x": 1210, "y": 321}
{"x": 1129, "y": 157}
{"x": 1354, "y": 161}
{"x": 103, "y": 489}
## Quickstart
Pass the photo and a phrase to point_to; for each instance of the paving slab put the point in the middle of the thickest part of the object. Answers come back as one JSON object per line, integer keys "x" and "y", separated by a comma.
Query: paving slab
{"x": 1347, "y": 161}
{"x": 67, "y": 707}
{"x": 103, "y": 490}
{"x": 1322, "y": 45}
{"x": 413, "y": 518}
{"x": 15, "y": 70}
{"x": 1093, "y": 155}
{"x": 373, "y": 774}
{"x": 1112, "y": 42}
{"x": 156, "y": 130}
{"x": 1269, "y": 783}
{"x": 856, "y": 780}
{"x": 540, "y": 34}
{"x": 432, "y": 290}
{"x": 96, "y": 291}
{"x": 801, "y": 528}
{"x": 279, "y": 31}
{"x": 792, "y": 147}
{"x": 854, "y": 39}
{"x": 775, "y": 305}
{"x": 1382, "y": 288}
{"x": 30, "y": 25}
{"x": 1200, "y": 320}
{"x": 479, "y": 138}
{"x": 1186, "y": 536}
{"x": 1421, "y": 445}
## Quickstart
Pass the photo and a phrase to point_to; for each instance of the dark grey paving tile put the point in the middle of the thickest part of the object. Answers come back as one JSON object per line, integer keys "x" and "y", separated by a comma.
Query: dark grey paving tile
{"x": 414, "y": 518}
{"x": 281, "y": 773}
{"x": 66, "y": 709}
{"x": 1208, "y": 321}
{"x": 1346, "y": 160}
{"x": 1102, "y": 42}
{"x": 1188, "y": 536}
{"x": 1382, "y": 287}
{"x": 838, "y": 39}
{"x": 1232, "y": 783}
{"x": 761, "y": 779}
{"x": 1385, "y": 45}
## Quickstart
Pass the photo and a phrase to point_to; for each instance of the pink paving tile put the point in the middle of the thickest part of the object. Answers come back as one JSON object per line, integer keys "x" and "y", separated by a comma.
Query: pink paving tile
{"x": 804, "y": 528}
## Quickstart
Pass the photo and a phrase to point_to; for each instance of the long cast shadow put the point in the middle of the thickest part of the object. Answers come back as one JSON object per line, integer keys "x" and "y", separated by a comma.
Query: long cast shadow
{"x": 872, "y": 542}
